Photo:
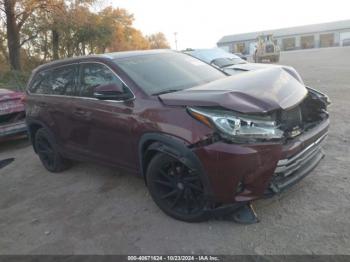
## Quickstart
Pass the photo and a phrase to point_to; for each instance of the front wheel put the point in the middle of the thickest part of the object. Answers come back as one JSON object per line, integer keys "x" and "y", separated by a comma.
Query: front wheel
{"x": 46, "y": 148}
{"x": 176, "y": 189}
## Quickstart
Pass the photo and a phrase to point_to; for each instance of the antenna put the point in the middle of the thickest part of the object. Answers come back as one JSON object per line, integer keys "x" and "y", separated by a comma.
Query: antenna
{"x": 175, "y": 35}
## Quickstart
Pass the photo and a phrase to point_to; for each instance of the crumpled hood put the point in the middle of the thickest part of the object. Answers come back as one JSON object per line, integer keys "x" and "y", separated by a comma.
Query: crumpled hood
{"x": 238, "y": 68}
{"x": 257, "y": 91}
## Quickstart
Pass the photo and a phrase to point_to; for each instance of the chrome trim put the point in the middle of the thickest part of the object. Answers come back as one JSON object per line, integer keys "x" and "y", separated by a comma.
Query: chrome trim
{"x": 288, "y": 166}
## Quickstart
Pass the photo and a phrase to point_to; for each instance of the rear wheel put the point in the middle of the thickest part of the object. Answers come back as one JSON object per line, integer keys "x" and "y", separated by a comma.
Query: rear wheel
{"x": 176, "y": 189}
{"x": 46, "y": 148}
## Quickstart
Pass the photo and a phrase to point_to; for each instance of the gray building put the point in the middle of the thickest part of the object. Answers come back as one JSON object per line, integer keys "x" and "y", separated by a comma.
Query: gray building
{"x": 293, "y": 38}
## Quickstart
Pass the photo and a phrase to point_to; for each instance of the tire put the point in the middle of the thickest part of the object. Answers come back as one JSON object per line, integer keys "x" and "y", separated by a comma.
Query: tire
{"x": 176, "y": 190}
{"x": 46, "y": 149}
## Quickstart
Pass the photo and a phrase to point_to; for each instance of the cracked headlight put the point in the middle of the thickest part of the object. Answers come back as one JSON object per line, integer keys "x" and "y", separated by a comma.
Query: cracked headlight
{"x": 237, "y": 127}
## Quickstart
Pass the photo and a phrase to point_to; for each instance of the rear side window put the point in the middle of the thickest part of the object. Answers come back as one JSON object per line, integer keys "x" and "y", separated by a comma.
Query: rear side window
{"x": 58, "y": 81}
{"x": 41, "y": 83}
{"x": 63, "y": 80}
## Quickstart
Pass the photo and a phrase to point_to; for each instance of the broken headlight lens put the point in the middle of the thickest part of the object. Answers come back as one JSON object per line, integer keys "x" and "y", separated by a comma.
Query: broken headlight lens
{"x": 237, "y": 127}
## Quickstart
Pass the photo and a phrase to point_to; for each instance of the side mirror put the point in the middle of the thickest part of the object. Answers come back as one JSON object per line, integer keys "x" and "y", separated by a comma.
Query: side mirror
{"x": 109, "y": 92}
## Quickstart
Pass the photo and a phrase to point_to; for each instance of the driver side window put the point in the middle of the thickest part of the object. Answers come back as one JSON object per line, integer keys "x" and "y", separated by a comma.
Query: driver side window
{"x": 94, "y": 75}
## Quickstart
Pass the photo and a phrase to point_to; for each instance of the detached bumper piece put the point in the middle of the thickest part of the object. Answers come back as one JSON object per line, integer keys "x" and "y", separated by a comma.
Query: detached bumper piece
{"x": 290, "y": 171}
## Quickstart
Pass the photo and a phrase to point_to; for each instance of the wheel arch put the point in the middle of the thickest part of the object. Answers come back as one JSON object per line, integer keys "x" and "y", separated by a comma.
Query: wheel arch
{"x": 33, "y": 126}
{"x": 152, "y": 143}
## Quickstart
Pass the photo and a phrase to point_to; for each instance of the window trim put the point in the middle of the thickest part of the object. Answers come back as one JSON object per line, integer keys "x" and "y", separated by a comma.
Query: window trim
{"x": 77, "y": 82}
{"x": 110, "y": 69}
{"x": 52, "y": 69}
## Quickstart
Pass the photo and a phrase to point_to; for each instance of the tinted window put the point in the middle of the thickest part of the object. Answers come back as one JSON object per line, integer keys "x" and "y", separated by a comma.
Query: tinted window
{"x": 93, "y": 75}
{"x": 63, "y": 80}
{"x": 58, "y": 81}
{"x": 41, "y": 83}
{"x": 156, "y": 73}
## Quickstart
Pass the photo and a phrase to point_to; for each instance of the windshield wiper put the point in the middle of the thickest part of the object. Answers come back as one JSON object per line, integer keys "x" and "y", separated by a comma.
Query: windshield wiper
{"x": 165, "y": 92}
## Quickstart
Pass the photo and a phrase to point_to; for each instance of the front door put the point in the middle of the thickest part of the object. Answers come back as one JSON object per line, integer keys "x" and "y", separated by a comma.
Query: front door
{"x": 106, "y": 125}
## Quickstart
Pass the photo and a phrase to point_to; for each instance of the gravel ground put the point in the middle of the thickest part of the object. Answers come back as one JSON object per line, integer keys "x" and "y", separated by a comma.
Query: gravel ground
{"x": 91, "y": 209}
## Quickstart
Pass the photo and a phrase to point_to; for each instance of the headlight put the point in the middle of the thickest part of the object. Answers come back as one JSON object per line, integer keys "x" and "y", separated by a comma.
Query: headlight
{"x": 236, "y": 127}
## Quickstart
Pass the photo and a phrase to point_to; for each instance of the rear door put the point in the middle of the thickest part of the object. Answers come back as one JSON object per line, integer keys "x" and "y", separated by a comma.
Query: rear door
{"x": 106, "y": 125}
{"x": 51, "y": 100}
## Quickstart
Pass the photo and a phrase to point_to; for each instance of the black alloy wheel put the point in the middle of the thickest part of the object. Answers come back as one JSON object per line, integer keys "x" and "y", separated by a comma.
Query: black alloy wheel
{"x": 176, "y": 189}
{"x": 47, "y": 150}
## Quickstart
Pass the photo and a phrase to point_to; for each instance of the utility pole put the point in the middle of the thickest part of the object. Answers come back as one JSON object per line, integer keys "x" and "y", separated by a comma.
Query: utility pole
{"x": 175, "y": 35}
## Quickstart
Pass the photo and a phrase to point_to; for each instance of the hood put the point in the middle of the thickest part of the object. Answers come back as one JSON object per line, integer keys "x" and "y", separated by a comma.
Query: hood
{"x": 234, "y": 69}
{"x": 257, "y": 91}
{"x": 253, "y": 66}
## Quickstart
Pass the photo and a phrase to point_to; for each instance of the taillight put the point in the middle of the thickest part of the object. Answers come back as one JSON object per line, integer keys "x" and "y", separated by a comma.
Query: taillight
{"x": 24, "y": 99}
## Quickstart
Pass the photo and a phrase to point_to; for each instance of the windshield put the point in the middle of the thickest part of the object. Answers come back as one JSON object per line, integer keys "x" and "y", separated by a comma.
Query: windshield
{"x": 167, "y": 72}
{"x": 212, "y": 55}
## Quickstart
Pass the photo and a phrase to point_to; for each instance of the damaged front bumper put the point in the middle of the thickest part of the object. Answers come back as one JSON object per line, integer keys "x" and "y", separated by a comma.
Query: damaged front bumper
{"x": 291, "y": 170}
{"x": 12, "y": 129}
{"x": 242, "y": 173}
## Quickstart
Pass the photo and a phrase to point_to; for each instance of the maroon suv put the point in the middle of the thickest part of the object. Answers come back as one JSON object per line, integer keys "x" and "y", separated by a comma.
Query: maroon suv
{"x": 199, "y": 138}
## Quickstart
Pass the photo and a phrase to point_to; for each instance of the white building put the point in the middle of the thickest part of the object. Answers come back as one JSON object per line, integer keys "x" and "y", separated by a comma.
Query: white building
{"x": 300, "y": 37}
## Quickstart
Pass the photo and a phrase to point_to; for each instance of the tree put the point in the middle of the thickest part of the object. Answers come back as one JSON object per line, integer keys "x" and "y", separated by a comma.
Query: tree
{"x": 158, "y": 41}
{"x": 17, "y": 13}
{"x": 3, "y": 51}
{"x": 34, "y": 31}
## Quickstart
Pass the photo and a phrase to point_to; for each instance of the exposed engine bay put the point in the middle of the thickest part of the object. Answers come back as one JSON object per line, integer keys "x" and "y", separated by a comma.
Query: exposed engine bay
{"x": 310, "y": 112}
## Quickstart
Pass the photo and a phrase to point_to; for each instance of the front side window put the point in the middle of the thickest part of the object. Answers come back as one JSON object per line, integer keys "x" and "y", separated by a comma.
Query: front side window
{"x": 94, "y": 75}
{"x": 167, "y": 72}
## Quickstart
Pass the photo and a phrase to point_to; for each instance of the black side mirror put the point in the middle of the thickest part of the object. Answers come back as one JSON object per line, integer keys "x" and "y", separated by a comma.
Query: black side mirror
{"x": 110, "y": 92}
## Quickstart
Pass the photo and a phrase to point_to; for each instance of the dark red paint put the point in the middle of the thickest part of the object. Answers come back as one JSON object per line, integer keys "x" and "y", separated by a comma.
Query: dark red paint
{"x": 109, "y": 132}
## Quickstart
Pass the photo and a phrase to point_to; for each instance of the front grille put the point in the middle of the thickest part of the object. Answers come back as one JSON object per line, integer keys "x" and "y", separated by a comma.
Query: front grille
{"x": 291, "y": 170}
{"x": 11, "y": 118}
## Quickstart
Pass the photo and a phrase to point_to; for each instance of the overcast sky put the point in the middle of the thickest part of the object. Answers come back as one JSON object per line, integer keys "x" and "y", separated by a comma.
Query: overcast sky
{"x": 201, "y": 23}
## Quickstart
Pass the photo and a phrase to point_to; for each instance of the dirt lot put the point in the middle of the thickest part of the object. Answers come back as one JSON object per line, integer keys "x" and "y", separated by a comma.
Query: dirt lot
{"x": 91, "y": 209}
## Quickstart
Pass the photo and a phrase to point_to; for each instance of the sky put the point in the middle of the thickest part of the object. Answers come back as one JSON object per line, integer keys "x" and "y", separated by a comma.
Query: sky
{"x": 200, "y": 24}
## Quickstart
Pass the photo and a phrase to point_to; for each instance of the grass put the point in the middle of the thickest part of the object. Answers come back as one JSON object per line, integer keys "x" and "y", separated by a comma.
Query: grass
{"x": 14, "y": 80}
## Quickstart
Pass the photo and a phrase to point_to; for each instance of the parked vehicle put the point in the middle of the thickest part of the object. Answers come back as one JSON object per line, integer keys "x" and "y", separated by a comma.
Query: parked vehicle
{"x": 199, "y": 138}
{"x": 266, "y": 49}
{"x": 12, "y": 114}
{"x": 240, "y": 55}
{"x": 232, "y": 64}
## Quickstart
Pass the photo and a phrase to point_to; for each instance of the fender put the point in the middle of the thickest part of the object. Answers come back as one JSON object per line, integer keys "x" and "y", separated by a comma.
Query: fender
{"x": 177, "y": 148}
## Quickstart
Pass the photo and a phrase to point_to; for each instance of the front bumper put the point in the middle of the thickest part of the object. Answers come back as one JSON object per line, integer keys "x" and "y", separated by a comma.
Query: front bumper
{"x": 290, "y": 171}
{"x": 12, "y": 129}
{"x": 240, "y": 173}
